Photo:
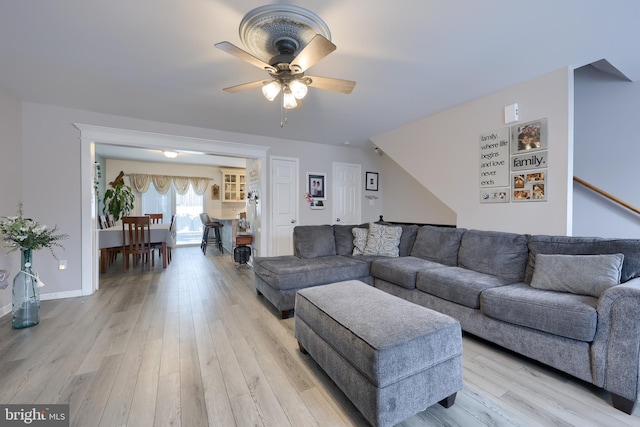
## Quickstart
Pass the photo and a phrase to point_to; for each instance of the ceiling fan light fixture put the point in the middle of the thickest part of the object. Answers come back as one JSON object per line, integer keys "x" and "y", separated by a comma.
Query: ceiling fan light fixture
{"x": 271, "y": 90}
{"x": 288, "y": 99}
{"x": 298, "y": 88}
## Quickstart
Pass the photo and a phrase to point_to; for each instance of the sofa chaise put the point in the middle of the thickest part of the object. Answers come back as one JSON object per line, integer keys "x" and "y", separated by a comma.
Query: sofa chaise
{"x": 572, "y": 303}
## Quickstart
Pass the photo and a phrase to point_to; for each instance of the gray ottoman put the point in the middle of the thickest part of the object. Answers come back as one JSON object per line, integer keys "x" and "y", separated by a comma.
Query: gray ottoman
{"x": 390, "y": 357}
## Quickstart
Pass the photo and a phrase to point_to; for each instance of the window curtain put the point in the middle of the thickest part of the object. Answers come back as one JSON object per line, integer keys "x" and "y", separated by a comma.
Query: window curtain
{"x": 199, "y": 185}
{"x": 140, "y": 183}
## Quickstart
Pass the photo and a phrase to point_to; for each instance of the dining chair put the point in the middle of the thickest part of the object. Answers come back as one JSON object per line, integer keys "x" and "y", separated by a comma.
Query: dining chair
{"x": 155, "y": 218}
{"x": 136, "y": 240}
{"x": 111, "y": 253}
{"x": 158, "y": 245}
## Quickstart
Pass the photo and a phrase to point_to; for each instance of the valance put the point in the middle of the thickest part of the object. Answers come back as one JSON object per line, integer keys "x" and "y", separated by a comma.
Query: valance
{"x": 162, "y": 183}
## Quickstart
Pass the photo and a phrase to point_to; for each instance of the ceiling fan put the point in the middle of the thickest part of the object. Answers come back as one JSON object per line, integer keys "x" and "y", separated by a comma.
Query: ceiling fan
{"x": 285, "y": 41}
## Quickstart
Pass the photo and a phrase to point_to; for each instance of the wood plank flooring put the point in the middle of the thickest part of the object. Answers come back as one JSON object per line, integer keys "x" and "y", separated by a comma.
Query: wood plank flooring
{"x": 194, "y": 346}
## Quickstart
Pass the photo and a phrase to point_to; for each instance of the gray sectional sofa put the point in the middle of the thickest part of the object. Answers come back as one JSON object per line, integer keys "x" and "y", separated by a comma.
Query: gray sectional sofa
{"x": 572, "y": 303}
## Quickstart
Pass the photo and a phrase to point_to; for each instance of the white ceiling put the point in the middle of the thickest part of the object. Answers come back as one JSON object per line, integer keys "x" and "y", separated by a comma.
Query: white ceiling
{"x": 155, "y": 59}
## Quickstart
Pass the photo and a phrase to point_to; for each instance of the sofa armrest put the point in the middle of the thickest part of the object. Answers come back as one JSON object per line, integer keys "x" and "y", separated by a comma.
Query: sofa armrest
{"x": 616, "y": 347}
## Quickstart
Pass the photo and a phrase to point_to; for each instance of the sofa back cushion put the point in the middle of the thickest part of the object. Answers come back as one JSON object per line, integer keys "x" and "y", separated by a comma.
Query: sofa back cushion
{"x": 493, "y": 252}
{"x": 344, "y": 237}
{"x": 568, "y": 245}
{"x": 438, "y": 244}
{"x": 408, "y": 238}
{"x": 313, "y": 241}
{"x": 577, "y": 274}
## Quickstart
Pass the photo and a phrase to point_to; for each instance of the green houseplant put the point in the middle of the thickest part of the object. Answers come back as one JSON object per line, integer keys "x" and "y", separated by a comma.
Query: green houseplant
{"x": 118, "y": 201}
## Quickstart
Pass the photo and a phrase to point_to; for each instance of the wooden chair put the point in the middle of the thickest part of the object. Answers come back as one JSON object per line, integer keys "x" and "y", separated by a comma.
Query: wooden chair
{"x": 172, "y": 230}
{"x": 111, "y": 253}
{"x": 155, "y": 218}
{"x": 102, "y": 222}
{"x": 136, "y": 240}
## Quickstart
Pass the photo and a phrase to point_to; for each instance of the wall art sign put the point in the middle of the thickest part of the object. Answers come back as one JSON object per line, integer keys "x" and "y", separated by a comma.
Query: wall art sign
{"x": 371, "y": 181}
{"x": 316, "y": 185}
{"x": 530, "y": 186}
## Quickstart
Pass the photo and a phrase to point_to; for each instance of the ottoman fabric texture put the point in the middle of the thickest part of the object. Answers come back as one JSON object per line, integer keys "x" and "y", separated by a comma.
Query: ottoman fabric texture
{"x": 402, "y": 356}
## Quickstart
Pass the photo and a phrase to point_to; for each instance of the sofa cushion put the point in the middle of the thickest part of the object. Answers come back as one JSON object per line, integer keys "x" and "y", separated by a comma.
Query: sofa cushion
{"x": 291, "y": 272}
{"x": 457, "y": 284}
{"x": 383, "y": 240}
{"x": 577, "y": 274}
{"x": 569, "y": 245}
{"x": 313, "y": 241}
{"x": 344, "y": 238}
{"x": 401, "y": 271}
{"x": 568, "y": 315}
{"x": 494, "y": 252}
{"x": 359, "y": 240}
{"x": 438, "y": 244}
{"x": 409, "y": 233}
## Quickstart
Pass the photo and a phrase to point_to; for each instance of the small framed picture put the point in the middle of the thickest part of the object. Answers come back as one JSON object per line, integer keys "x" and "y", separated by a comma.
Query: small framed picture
{"x": 316, "y": 185}
{"x": 372, "y": 181}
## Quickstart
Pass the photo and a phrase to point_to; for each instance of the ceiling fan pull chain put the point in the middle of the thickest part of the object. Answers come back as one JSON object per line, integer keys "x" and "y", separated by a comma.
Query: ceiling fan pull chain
{"x": 283, "y": 115}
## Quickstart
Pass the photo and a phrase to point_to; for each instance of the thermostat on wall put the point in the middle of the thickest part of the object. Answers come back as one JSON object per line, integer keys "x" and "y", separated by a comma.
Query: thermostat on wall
{"x": 511, "y": 113}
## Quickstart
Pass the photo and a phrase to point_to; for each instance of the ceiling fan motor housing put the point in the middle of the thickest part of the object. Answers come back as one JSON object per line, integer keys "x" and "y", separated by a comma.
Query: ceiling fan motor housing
{"x": 276, "y": 33}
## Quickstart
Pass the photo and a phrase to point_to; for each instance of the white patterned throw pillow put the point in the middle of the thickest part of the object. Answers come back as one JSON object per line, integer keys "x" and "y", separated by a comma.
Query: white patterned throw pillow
{"x": 359, "y": 240}
{"x": 383, "y": 240}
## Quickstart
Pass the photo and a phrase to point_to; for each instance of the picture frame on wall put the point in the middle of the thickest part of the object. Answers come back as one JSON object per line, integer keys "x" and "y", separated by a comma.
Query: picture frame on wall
{"x": 316, "y": 185}
{"x": 371, "y": 181}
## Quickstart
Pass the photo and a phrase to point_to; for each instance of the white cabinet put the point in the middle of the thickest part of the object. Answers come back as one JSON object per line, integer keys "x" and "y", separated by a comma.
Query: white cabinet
{"x": 234, "y": 185}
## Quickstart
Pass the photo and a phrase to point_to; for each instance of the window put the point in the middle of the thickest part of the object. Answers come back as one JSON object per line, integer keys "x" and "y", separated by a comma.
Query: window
{"x": 187, "y": 209}
{"x": 188, "y": 224}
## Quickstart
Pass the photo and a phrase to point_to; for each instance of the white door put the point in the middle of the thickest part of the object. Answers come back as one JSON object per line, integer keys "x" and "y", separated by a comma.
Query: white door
{"x": 347, "y": 181}
{"x": 284, "y": 191}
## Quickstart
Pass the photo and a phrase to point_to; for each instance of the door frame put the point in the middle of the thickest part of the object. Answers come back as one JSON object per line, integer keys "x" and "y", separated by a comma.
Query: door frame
{"x": 91, "y": 135}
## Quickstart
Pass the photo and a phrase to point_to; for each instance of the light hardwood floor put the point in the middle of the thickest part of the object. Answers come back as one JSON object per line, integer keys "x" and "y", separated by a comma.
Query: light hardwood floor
{"x": 193, "y": 346}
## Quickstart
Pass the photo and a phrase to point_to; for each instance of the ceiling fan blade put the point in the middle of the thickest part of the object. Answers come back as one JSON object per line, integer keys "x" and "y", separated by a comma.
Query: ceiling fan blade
{"x": 318, "y": 48}
{"x": 328, "y": 83}
{"x": 245, "y": 86}
{"x": 245, "y": 56}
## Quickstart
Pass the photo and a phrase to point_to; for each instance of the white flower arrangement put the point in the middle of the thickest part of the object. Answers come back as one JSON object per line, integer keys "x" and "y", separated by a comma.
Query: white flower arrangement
{"x": 25, "y": 233}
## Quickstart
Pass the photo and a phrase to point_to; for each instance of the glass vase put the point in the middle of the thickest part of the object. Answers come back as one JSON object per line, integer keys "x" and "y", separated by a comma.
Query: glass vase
{"x": 26, "y": 295}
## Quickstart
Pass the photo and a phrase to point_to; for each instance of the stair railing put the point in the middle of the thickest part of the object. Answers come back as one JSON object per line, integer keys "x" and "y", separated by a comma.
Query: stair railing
{"x": 607, "y": 195}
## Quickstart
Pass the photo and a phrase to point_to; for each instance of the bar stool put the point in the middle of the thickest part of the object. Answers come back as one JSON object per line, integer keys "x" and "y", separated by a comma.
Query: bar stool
{"x": 207, "y": 225}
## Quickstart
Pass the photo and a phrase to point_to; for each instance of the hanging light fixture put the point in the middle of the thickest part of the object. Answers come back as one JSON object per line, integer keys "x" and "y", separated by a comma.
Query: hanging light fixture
{"x": 271, "y": 90}
{"x": 288, "y": 99}
{"x": 298, "y": 88}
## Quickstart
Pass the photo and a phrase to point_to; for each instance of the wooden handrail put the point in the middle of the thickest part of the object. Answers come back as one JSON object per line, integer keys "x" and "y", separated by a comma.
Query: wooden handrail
{"x": 607, "y": 195}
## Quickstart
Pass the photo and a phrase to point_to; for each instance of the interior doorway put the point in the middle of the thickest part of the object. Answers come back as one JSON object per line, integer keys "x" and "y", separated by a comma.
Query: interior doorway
{"x": 91, "y": 135}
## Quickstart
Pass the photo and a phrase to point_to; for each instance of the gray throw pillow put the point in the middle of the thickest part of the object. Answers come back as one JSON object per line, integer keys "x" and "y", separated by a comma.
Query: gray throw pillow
{"x": 359, "y": 240}
{"x": 313, "y": 241}
{"x": 577, "y": 274}
{"x": 383, "y": 240}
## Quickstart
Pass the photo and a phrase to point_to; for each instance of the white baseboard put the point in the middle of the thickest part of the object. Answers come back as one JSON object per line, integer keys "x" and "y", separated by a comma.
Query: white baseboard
{"x": 44, "y": 297}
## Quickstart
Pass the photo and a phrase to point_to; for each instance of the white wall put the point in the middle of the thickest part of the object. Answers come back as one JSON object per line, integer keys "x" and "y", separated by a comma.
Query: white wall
{"x": 606, "y": 152}
{"x": 10, "y": 183}
{"x": 442, "y": 153}
{"x": 397, "y": 186}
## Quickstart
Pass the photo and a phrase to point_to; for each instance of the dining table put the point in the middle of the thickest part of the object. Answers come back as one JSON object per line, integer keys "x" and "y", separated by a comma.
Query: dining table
{"x": 111, "y": 237}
